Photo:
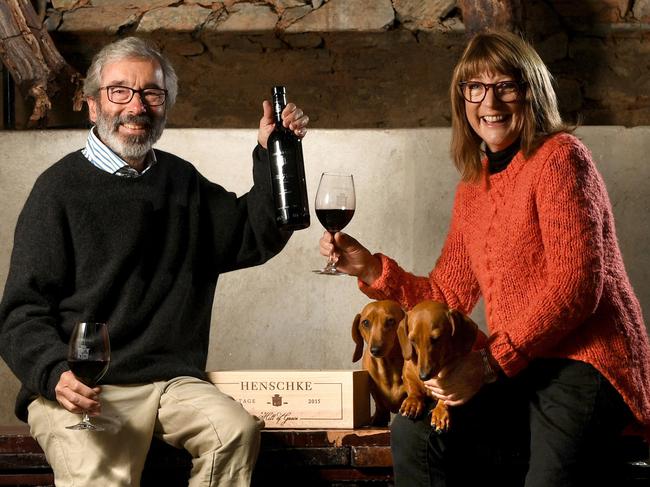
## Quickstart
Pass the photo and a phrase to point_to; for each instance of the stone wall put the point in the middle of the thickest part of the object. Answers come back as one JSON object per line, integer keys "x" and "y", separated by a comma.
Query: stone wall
{"x": 356, "y": 63}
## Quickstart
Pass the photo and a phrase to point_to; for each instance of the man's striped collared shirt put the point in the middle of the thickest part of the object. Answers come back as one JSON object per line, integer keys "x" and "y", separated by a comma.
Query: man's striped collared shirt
{"x": 105, "y": 159}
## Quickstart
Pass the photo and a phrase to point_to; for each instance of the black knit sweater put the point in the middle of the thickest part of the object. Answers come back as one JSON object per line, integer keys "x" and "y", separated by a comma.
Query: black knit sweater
{"x": 143, "y": 254}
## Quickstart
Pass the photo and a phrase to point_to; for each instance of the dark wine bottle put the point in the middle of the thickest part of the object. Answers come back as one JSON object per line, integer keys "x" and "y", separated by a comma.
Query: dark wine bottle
{"x": 287, "y": 170}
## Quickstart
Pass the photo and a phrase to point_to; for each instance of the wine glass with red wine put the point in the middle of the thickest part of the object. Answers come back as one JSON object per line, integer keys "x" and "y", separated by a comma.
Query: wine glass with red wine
{"x": 89, "y": 353}
{"x": 335, "y": 204}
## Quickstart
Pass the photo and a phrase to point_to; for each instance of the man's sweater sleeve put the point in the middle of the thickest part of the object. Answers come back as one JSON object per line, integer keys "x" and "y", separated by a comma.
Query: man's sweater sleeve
{"x": 243, "y": 229}
{"x": 30, "y": 342}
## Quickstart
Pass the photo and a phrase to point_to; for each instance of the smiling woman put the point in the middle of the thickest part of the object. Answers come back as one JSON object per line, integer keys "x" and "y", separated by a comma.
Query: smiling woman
{"x": 532, "y": 231}
{"x": 523, "y": 109}
{"x": 494, "y": 114}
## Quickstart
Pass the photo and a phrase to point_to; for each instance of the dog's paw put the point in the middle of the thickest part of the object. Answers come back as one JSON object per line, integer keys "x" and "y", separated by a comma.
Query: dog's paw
{"x": 412, "y": 407}
{"x": 440, "y": 418}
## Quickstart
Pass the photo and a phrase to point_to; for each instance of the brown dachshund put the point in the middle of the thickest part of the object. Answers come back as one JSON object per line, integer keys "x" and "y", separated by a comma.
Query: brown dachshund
{"x": 431, "y": 336}
{"x": 376, "y": 326}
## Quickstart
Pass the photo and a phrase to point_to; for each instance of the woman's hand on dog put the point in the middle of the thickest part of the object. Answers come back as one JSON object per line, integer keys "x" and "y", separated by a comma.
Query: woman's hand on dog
{"x": 350, "y": 256}
{"x": 458, "y": 382}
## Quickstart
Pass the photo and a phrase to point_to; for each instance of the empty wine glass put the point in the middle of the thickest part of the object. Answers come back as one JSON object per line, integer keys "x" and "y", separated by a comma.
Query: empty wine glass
{"x": 89, "y": 353}
{"x": 335, "y": 205}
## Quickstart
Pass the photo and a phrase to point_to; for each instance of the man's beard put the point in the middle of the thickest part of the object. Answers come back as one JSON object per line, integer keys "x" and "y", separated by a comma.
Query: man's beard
{"x": 131, "y": 147}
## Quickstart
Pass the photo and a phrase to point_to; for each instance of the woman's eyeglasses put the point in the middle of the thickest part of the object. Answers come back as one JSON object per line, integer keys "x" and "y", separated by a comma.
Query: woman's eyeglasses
{"x": 505, "y": 91}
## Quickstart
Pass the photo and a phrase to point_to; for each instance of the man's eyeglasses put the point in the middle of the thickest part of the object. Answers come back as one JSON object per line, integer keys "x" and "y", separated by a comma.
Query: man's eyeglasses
{"x": 506, "y": 91}
{"x": 122, "y": 95}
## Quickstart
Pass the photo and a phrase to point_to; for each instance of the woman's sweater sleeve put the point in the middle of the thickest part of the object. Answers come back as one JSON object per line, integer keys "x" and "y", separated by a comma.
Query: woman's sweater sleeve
{"x": 451, "y": 281}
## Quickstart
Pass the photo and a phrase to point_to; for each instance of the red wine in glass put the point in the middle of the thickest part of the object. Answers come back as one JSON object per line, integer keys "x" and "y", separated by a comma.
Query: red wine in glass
{"x": 88, "y": 371}
{"x": 89, "y": 354}
{"x": 335, "y": 205}
{"x": 334, "y": 220}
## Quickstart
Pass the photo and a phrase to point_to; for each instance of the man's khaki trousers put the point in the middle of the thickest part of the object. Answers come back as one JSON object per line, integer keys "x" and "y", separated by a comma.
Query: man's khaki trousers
{"x": 185, "y": 412}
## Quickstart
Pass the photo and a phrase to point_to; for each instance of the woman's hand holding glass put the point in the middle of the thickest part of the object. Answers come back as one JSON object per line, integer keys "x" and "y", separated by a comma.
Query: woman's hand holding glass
{"x": 336, "y": 202}
{"x": 350, "y": 256}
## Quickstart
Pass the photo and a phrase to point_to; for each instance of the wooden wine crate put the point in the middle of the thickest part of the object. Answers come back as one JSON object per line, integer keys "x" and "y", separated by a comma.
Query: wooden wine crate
{"x": 300, "y": 398}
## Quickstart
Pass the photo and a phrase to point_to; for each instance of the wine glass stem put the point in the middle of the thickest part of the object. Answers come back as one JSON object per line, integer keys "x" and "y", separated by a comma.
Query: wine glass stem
{"x": 331, "y": 264}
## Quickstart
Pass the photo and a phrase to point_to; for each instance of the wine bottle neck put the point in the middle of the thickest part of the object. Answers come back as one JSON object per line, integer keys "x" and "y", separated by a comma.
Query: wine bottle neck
{"x": 279, "y": 102}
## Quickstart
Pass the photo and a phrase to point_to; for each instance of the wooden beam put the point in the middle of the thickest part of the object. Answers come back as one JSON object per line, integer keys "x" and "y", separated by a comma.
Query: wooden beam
{"x": 28, "y": 53}
{"x": 480, "y": 15}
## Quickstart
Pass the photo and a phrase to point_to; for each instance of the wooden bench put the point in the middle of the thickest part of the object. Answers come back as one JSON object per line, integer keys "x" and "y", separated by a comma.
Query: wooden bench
{"x": 358, "y": 457}
{"x": 288, "y": 457}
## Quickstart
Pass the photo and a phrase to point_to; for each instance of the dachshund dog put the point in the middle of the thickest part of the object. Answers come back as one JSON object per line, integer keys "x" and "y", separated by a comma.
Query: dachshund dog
{"x": 376, "y": 326}
{"x": 431, "y": 336}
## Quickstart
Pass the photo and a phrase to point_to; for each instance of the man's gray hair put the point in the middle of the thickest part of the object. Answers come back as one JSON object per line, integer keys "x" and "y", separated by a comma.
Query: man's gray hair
{"x": 129, "y": 47}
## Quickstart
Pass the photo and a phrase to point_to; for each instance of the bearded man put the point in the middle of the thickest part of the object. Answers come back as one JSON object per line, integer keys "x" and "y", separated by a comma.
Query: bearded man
{"x": 121, "y": 233}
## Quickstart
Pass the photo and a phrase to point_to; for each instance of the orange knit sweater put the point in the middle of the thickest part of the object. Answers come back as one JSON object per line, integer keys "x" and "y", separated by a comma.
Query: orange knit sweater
{"x": 538, "y": 242}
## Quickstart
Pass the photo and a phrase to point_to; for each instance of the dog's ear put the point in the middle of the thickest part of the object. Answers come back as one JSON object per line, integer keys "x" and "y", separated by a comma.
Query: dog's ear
{"x": 403, "y": 338}
{"x": 463, "y": 331}
{"x": 401, "y": 314}
{"x": 358, "y": 339}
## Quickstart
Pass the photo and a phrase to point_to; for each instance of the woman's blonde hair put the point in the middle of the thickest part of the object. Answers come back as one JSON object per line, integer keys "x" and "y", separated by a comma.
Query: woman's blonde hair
{"x": 508, "y": 54}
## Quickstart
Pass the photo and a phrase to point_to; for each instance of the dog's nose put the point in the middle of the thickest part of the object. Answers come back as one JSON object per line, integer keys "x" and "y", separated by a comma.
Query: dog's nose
{"x": 375, "y": 351}
{"x": 424, "y": 375}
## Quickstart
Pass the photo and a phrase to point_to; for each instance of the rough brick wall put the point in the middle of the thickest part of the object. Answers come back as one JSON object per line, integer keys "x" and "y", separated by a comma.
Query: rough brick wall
{"x": 358, "y": 63}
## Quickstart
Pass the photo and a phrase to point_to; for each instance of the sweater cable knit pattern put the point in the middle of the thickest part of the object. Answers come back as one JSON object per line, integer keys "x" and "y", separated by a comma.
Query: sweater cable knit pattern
{"x": 538, "y": 242}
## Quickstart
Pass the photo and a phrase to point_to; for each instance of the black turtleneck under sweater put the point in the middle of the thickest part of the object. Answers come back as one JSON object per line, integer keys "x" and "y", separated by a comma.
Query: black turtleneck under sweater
{"x": 498, "y": 161}
{"x": 142, "y": 254}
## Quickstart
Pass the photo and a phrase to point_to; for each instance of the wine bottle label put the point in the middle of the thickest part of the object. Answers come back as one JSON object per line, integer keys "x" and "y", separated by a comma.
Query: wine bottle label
{"x": 284, "y": 178}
